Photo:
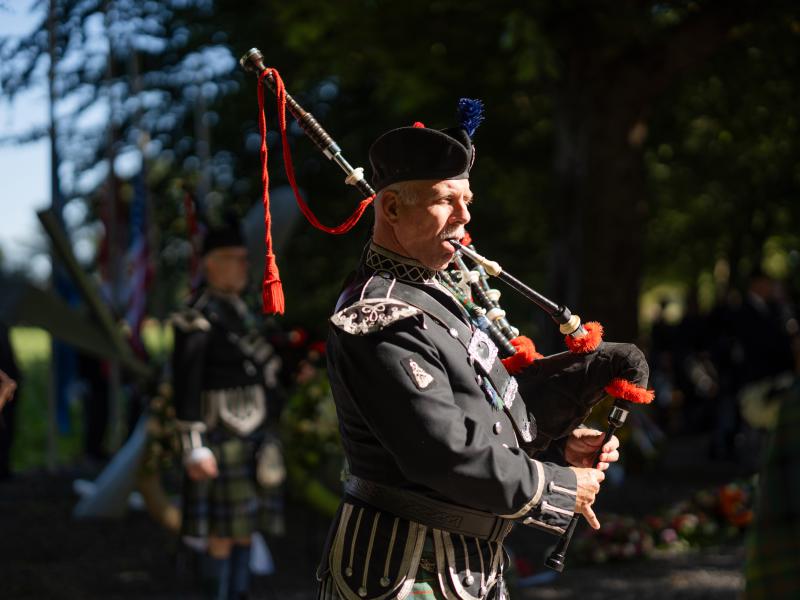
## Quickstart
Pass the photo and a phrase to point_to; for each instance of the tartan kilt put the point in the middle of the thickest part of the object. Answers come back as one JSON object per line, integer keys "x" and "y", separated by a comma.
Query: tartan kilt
{"x": 232, "y": 505}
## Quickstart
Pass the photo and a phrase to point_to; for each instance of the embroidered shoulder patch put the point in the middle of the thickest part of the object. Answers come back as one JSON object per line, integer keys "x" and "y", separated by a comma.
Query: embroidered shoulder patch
{"x": 414, "y": 367}
{"x": 372, "y": 314}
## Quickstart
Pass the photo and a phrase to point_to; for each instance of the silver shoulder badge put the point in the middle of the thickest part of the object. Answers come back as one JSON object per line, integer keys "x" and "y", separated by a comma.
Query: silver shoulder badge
{"x": 415, "y": 367}
{"x": 421, "y": 377}
{"x": 190, "y": 319}
{"x": 373, "y": 314}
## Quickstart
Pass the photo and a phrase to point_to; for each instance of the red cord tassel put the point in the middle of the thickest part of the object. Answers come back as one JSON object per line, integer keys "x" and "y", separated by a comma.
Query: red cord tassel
{"x": 621, "y": 388}
{"x": 525, "y": 356}
{"x": 272, "y": 290}
{"x": 587, "y": 343}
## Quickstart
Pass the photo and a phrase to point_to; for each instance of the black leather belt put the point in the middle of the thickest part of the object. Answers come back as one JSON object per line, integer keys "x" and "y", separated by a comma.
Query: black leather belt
{"x": 429, "y": 512}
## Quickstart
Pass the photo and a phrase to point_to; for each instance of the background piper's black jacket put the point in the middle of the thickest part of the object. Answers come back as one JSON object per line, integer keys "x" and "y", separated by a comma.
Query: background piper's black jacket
{"x": 209, "y": 354}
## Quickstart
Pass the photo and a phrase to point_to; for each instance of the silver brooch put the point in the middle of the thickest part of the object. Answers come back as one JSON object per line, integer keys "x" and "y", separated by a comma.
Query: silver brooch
{"x": 482, "y": 349}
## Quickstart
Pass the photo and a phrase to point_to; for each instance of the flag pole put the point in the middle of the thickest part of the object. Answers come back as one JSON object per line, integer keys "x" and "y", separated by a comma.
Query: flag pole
{"x": 56, "y": 206}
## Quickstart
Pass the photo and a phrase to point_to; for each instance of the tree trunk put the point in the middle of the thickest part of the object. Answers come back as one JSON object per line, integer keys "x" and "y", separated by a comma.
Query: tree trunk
{"x": 596, "y": 262}
{"x": 614, "y": 217}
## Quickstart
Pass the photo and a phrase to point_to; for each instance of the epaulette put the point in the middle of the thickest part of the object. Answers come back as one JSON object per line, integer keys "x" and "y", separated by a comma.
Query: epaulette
{"x": 190, "y": 319}
{"x": 372, "y": 314}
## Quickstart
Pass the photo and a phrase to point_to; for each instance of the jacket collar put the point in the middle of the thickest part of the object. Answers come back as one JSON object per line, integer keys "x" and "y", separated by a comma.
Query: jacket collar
{"x": 400, "y": 267}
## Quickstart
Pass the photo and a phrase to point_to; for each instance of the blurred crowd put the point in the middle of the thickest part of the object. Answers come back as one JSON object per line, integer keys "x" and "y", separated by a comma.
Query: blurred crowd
{"x": 725, "y": 371}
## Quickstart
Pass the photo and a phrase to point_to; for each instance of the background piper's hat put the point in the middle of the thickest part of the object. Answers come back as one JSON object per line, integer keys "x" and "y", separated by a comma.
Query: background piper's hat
{"x": 417, "y": 152}
{"x": 224, "y": 236}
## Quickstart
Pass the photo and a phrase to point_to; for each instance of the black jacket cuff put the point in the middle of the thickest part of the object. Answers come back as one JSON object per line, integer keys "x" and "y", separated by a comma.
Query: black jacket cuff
{"x": 557, "y": 504}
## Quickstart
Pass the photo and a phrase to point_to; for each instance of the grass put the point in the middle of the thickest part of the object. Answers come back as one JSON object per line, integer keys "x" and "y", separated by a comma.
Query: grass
{"x": 32, "y": 351}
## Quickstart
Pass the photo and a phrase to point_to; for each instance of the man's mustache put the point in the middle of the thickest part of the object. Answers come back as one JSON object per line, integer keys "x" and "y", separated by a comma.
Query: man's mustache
{"x": 452, "y": 233}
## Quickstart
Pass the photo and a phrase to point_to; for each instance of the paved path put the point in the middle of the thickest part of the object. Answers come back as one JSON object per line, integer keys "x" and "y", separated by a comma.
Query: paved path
{"x": 714, "y": 573}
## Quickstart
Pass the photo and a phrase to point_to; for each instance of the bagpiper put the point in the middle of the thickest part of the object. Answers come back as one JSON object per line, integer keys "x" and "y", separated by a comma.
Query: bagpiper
{"x": 439, "y": 440}
{"x": 226, "y": 398}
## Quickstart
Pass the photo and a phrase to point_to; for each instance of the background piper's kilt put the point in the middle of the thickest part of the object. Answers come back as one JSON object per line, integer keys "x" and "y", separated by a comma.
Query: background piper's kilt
{"x": 232, "y": 505}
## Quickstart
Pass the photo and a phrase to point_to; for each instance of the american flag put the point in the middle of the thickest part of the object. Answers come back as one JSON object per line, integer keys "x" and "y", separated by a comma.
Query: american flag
{"x": 138, "y": 262}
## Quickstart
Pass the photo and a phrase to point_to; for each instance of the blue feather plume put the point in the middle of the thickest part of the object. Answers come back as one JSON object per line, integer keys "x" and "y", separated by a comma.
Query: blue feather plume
{"x": 470, "y": 114}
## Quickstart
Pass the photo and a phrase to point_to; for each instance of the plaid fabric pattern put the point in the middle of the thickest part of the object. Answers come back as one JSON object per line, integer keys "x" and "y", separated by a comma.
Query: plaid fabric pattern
{"x": 773, "y": 549}
{"x": 227, "y": 506}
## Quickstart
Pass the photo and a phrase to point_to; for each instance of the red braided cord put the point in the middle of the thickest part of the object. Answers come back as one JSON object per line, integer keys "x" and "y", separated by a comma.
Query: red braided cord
{"x": 347, "y": 225}
{"x": 272, "y": 290}
{"x": 272, "y": 300}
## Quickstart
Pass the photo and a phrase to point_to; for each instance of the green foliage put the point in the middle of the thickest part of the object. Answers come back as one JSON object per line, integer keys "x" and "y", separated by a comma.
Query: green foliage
{"x": 724, "y": 171}
{"x": 313, "y": 450}
{"x": 568, "y": 196}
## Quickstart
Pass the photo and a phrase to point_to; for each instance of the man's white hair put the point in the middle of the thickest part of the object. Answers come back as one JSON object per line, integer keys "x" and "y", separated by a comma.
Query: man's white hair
{"x": 407, "y": 192}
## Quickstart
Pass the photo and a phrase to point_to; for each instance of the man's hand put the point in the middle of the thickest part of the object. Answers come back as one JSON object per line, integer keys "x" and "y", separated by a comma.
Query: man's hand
{"x": 588, "y": 485}
{"x": 583, "y": 444}
{"x": 205, "y": 468}
{"x": 7, "y": 388}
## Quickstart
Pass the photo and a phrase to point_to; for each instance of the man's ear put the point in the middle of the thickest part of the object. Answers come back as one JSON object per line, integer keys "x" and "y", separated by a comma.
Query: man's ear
{"x": 390, "y": 206}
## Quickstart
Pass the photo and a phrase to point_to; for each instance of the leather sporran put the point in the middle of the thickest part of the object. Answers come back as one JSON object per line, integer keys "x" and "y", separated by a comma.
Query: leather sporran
{"x": 270, "y": 466}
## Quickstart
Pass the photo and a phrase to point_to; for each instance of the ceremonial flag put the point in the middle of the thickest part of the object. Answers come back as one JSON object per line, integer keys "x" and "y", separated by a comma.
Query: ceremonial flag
{"x": 138, "y": 262}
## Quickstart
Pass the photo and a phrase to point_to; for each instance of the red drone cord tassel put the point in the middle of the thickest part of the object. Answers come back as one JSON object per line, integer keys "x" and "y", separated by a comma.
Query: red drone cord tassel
{"x": 589, "y": 342}
{"x": 525, "y": 356}
{"x": 621, "y": 388}
{"x": 272, "y": 289}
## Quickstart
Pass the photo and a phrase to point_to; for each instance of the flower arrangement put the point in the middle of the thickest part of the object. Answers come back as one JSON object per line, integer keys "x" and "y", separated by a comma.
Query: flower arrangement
{"x": 711, "y": 516}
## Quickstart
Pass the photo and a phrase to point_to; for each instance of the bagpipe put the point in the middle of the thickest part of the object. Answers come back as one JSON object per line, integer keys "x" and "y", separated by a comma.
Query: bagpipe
{"x": 560, "y": 390}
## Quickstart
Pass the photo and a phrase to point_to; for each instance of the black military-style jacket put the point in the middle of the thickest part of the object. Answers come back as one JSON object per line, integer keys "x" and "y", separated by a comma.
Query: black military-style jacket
{"x": 222, "y": 369}
{"x": 426, "y": 407}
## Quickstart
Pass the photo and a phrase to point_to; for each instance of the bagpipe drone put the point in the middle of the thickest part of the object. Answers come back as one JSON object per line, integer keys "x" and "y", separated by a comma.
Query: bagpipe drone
{"x": 560, "y": 390}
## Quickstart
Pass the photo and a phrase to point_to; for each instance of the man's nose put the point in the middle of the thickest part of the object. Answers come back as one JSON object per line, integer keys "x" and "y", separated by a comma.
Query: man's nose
{"x": 461, "y": 212}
